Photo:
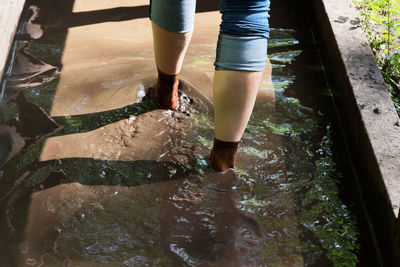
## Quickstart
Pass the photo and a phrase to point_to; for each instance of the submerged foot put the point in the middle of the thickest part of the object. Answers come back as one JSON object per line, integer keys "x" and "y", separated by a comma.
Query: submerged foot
{"x": 223, "y": 155}
{"x": 166, "y": 90}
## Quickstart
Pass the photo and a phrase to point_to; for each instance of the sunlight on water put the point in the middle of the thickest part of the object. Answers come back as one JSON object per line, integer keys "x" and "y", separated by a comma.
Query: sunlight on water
{"x": 149, "y": 198}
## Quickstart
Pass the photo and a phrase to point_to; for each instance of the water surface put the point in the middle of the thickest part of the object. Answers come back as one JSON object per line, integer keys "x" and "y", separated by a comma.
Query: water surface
{"x": 94, "y": 174}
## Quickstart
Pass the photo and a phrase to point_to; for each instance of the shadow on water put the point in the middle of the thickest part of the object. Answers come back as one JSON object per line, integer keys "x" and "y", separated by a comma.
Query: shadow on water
{"x": 140, "y": 192}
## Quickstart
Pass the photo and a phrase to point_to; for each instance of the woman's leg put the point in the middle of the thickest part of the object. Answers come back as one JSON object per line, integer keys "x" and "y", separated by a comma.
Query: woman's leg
{"x": 240, "y": 62}
{"x": 169, "y": 49}
{"x": 172, "y": 25}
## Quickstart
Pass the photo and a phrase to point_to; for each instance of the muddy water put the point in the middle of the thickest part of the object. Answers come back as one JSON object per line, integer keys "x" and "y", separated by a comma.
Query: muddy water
{"x": 95, "y": 174}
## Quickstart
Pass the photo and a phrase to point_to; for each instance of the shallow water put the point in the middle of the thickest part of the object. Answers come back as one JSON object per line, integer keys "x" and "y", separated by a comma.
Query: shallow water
{"x": 93, "y": 174}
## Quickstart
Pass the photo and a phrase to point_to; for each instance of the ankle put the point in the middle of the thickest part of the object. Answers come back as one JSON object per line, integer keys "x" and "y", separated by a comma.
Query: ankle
{"x": 167, "y": 79}
{"x": 167, "y": 89}
{"x": 223, "y": 155}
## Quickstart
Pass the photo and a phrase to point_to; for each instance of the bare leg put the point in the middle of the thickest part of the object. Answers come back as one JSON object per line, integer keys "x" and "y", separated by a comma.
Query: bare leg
{"x": 239, "y": 62}
{"x": 234, "y": 97}
{"x": 169, "y": 50}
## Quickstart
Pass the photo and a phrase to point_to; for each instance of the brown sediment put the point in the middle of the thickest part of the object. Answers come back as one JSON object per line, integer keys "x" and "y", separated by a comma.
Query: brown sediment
{"x": 150, "y": 136}
{"x": 34, "y": 30}
{"x": 154, "y": 135}
{"x": 94, "y": 5}
{"x": 33, "y": 122}
{"x": 107, "y": 64}
{"x": 28, "y": 67}
{"x": 196, "y": 216}
{"x": 127, "y": 63}
{"x": 11, "y": 143}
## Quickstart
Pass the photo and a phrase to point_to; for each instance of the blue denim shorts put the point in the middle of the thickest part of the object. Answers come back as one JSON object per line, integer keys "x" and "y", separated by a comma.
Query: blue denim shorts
{"x": 244, "y": 29}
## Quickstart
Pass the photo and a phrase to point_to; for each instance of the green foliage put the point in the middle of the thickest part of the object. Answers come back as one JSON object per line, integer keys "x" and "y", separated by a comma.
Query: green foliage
{"x": 380, "y": 21}
{"x": 391, "y": 74}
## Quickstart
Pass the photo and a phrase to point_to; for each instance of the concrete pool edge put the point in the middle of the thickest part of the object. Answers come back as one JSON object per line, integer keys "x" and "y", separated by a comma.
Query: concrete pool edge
{"x": 12, "y": 11}
{"x": 366, "y": 111}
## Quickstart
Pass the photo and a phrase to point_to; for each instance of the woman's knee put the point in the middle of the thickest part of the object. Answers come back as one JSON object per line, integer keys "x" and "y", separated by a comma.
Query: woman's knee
{"x": 243, "y": 53}
{"x": 244, "y": 32}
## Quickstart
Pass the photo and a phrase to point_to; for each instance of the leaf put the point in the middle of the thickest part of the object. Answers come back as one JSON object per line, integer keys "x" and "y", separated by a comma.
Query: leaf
{"x": 376, "y": 5}
{"x": 388, "y": 24}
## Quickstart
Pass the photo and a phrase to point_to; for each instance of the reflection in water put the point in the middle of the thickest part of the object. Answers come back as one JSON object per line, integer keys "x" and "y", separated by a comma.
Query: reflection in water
{"x": 125, "y": 183}
{"x": 190, "y": 221}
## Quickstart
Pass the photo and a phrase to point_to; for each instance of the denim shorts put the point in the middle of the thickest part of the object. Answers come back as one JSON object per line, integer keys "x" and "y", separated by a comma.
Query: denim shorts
{"x": 244, "y": 29}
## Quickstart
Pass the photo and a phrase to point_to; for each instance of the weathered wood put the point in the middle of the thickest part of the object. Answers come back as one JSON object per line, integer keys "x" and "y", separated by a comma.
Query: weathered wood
{"x": 10, "y": 12}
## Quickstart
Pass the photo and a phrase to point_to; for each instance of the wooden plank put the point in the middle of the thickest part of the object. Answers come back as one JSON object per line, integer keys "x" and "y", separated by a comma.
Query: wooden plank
{"x": 10, "y": 12}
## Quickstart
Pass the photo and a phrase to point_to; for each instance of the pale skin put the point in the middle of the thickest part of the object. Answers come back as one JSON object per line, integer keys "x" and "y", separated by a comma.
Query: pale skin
{"x": 234, "y": 91}
{"x": 234, "y": 96}
{"x": 169, "y": 49}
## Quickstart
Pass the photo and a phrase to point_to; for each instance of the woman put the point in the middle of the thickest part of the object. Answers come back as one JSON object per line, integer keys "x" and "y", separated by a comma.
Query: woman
{"x": 240, "y": 61}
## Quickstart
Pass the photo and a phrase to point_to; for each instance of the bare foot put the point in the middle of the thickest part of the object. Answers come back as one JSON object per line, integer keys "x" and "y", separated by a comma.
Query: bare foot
{"x": 166, "y": 90}
{"x": 223, "y": 155}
